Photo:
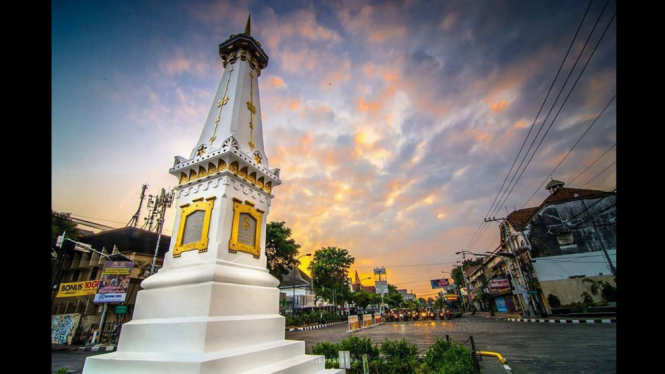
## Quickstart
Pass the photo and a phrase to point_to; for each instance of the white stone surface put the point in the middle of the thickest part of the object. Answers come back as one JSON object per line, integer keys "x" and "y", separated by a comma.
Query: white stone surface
{"x": 214, "y": 311}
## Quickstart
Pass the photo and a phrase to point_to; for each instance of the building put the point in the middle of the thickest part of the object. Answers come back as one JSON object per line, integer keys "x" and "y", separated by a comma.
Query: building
{"x": 71, "y": 266}
{"x": 296, "y": 292}
{"x": 550, "y": 250}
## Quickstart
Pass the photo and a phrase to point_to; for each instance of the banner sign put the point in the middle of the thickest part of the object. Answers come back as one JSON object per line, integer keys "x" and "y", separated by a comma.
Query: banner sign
{"x": 354, "y": 324}
{"x": 367, "y": 320}
{"x": 114, "y": 282}
{"x": 380, "y": 271}
{"x": 77, "y": 288}
{"x": 499, "y": 283}
{"x": 439, "y": 283}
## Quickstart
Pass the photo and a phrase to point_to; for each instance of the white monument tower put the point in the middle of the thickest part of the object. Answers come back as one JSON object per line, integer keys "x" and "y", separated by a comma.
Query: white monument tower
{"x": 214, "y": 307}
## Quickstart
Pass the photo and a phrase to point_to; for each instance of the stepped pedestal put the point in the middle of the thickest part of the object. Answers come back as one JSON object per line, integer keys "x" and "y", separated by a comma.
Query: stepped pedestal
{"x": 186, "y": 324}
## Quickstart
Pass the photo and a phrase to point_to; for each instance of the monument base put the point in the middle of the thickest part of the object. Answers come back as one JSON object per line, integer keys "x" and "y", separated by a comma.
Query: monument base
{"x": 278, "y": 357}
{"x": 207, "y": 319}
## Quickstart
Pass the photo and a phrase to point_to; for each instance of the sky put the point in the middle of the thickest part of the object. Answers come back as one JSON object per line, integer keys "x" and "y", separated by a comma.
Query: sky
{"x": 399, "y": 127}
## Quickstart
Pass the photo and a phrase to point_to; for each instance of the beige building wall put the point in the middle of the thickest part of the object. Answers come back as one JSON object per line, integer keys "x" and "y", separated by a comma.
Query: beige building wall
{"x": 570, "y": 290}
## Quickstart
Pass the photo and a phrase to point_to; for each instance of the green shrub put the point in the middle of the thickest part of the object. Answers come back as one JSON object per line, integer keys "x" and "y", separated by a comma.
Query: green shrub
{"x": 446, "y": 357}
{"x": 399, "y": 355}
{"x": 553, "y": 300}
{"x": 586, "y": 297}
{"x": 357, "y": 347}
{"x": 608, "y": 292}
{"x": 328, "y": 349}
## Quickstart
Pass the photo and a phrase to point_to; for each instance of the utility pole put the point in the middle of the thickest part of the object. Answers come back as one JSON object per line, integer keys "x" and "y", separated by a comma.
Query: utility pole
{"x": 59, "y": 263}
{"x": 132, "y": 222}
{"x": 162, "y": 202}
{"x": 468, "y": 288}
{"x": 600, "y": 239}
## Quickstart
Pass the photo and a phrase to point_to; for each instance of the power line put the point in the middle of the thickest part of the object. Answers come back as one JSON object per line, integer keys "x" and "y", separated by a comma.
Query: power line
{"x": 593, "y": 163}
{"x": 567, "y": 96}
{"x": 571, "y": 150}
{"x": 483, "y": 226}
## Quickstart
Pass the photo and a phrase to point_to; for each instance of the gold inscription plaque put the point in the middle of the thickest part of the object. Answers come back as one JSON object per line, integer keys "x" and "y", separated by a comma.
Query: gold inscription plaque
{"x": 194, "y": 226}
{"x": 246, "y": 229}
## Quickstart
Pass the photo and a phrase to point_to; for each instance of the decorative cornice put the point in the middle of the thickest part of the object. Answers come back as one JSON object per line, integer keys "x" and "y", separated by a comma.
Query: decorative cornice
{"x": 226, "y": 161}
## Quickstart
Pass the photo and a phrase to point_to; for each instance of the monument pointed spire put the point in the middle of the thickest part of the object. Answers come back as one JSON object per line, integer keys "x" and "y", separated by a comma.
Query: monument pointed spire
{"x": 213, "y": 304}
{"x": 247, "y": 27}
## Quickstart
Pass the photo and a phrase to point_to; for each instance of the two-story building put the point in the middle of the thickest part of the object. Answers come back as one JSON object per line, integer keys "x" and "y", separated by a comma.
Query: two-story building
{"x": 73, "y": 267}
{"x": 550, "y": 250}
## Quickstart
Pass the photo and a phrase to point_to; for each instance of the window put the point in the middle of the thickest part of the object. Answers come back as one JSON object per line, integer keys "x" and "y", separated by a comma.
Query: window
{"x": 93, "y": 273}
{"x": 565, "y": 239}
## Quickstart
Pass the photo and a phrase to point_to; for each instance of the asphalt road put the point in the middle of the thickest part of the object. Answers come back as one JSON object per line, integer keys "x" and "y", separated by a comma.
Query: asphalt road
{"x": 529, "y": 348}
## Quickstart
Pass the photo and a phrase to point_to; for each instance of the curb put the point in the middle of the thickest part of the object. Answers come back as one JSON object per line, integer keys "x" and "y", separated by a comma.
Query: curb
{"x": 314, "y": 326}
{"x": 550, "y": 320}
{"x": 98, "y": 348}
{"x": 601, "y": 320}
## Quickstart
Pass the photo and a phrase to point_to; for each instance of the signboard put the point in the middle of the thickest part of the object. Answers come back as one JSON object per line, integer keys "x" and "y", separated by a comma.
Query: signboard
{"x": 439, "y": 283}
{"x": 77, "y": 288}
{"x": 113, "y": 285}
{"x": 345, "y": 359}
{"x": 120, "y": 309}
{"x": 381, "y": 287}
{"x": 246, "y": 228}
{"x": 499, "y": 283}
{"x": 380, "y": 271}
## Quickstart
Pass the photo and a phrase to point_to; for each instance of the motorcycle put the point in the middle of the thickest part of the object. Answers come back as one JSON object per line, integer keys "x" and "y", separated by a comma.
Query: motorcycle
{"x": 444, "y": 314}
{"x": 402, "y": 316}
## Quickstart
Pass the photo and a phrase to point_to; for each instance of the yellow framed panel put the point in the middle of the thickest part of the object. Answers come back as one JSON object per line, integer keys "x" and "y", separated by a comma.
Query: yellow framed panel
{"x": 194, "y": 226}
{"x": 246, "y": 228}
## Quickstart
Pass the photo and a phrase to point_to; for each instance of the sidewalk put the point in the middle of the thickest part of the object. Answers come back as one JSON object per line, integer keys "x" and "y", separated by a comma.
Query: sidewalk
{"x": 516, "y": 317}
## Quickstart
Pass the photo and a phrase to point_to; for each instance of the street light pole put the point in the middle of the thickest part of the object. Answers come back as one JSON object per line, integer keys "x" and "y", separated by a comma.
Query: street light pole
{"x": 295, "y": 268}
{"x": 81, "y": 247}
{"x": 468, "y": 288}
{"x": 521, "y": 300}
{"x": 512, "y": 253}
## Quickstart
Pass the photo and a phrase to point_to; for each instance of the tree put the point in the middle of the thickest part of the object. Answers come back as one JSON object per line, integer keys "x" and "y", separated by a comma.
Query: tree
{"x": 281, "y": 249}
{"x": 329, "y": 269}
{"x": 361, "y": 299}
{"x": 440, "y": 301}
{"x": 394, "y": 298}
{"x": 62, "y": 222}
{"x": 375, "y": 299}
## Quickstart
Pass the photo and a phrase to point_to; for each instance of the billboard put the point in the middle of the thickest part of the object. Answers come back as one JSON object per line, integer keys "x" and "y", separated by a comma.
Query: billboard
{"x": 113, "y": 285}
{"x": 78, "y": 288}
{"x": 499, "y": 283}
{"x": 381, "y": 287}
{"x": 439, "y": 283}
{"x": 380, "y": 271}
